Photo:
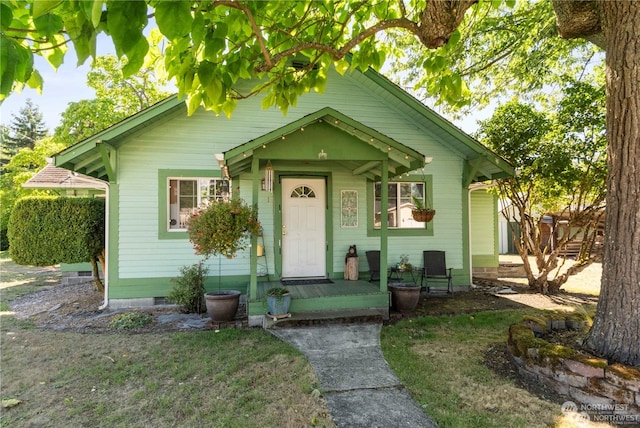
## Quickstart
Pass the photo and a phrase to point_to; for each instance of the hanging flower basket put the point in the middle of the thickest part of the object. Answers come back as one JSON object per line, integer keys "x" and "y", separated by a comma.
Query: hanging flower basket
{"x": 423, "y": 215}
{"x": 223, "y": 227}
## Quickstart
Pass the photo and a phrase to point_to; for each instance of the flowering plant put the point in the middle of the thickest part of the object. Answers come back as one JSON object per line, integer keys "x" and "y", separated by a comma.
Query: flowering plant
{"x": 223, "y": 227}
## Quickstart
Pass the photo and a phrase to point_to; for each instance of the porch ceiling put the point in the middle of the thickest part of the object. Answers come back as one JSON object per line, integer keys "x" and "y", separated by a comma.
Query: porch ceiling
{"x": 362, "y": 159}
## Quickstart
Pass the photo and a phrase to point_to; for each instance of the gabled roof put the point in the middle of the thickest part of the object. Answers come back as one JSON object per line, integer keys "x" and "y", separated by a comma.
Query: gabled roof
{"x": 401, "y": 158}
{"x": 51, "y": 177}
{"x": 94, "y": 155}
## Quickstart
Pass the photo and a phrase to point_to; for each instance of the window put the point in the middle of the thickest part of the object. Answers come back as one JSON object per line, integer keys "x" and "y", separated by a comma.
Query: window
{"x": 186, "y": 195}
{"x": 400, "y": 204}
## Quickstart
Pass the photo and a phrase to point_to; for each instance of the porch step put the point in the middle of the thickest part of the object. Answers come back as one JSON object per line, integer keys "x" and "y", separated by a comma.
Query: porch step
{"x": 334, "y": 316}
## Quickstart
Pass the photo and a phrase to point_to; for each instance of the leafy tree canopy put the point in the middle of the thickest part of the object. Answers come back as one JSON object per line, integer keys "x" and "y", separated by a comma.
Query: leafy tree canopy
{"x": 208, "y": 46}
{"x": 117, "y": 98}
{"x": 561, "y": 170}
{"x": 496, "y": 52}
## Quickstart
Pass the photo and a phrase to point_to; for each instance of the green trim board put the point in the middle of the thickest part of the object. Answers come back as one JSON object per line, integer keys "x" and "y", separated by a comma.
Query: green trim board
{"x": 277, "y": 215}
{"x": 77, "y": 267}
{"x": 163, "y": 194}
{"x": 377, "y": 300}
{"x": 135, "y": 288}
{"x": 113, "y": 239}
{"x": 466, "y": 235}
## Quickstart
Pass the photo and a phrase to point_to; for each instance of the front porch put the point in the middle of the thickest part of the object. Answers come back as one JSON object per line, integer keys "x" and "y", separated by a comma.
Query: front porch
{"x": 317, "y": 300}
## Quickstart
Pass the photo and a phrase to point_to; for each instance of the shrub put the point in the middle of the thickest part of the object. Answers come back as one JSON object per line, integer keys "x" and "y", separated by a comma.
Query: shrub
{"x": 189, "y": 290}
{"x": 130, "y": 321}
{"x": 45, "y": 231}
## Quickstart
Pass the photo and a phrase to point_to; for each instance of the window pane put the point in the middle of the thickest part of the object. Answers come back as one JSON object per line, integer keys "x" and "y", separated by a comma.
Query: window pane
{"x": 187, "y": 195}
{"x": 400, "y": 204}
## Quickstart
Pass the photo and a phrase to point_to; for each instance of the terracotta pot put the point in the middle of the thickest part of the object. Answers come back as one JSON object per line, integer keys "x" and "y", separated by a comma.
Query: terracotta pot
{"x": 404, "y": 297}
{"x": 222, "y": 305}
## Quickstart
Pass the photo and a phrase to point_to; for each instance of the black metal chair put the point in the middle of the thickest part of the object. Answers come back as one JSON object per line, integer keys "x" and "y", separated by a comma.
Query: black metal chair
{"x": 373, "y": 259}
{"x": 434, "y": 269}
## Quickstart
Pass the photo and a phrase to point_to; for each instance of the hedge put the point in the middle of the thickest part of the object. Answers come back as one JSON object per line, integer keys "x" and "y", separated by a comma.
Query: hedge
{"x": 46, "y": 231}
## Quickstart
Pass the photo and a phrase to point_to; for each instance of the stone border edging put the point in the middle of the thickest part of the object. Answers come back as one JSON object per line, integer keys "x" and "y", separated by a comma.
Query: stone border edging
{"x": 591, "y": 381}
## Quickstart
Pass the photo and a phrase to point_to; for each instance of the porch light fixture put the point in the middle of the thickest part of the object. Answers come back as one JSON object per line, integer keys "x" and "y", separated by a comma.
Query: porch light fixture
{"x": 268, "y": 177}
{"x": 322, "y": 155}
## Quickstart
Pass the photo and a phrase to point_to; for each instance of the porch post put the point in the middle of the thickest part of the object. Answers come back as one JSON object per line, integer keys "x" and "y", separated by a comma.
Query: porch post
{"x": 255, "y": 189}
{"x": 384, "y": 224}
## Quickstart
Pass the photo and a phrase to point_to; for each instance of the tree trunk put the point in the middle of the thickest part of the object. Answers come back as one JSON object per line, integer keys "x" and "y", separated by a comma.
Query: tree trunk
{"x": 616, "y": 330}
{"x": 97, "y": 283}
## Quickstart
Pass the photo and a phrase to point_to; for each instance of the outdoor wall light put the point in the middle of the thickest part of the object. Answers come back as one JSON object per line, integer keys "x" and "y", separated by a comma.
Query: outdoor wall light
{"x": 322, "y": 155}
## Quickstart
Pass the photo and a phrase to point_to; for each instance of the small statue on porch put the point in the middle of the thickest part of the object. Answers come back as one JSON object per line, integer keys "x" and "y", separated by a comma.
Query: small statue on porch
{"x": 351, "y": 264}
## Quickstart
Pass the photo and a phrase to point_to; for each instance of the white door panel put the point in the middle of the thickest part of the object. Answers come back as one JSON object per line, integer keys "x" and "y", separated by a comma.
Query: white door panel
{"x": 303, "y": 227}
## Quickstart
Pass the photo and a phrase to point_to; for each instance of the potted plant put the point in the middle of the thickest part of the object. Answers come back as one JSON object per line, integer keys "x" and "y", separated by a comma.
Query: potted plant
{"x": 421, "y": 212}
{"x": 278, "y": 301}
{"x": 404, "y": 263}
{"x": 223, "y": 228}
{"x": 404, "y": 296}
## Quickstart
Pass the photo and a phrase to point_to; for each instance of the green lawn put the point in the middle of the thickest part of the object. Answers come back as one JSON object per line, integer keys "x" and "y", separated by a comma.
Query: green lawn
{"x": 440, "y": 360}
{"x": 241, "y": 378}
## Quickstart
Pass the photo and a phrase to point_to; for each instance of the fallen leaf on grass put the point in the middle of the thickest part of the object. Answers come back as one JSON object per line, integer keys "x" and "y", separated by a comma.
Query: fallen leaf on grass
{"x": 10, "y": 402}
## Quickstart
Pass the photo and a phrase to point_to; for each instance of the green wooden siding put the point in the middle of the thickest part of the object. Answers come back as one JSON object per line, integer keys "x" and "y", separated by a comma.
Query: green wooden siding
{"x": 484, "y": 229}
{"x": 190, "y": 143}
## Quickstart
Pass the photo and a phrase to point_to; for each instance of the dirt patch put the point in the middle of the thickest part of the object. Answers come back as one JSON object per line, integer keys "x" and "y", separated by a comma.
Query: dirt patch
{"x": 75, "y": 308}
{"x": 494, "y": 294}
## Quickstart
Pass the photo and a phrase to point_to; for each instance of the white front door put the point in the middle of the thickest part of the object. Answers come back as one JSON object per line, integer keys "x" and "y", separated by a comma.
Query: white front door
{"x": 303, "y": 227}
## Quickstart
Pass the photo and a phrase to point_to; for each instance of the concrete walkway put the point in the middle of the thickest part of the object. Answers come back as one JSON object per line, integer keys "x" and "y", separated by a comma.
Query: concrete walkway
{"x": 360, "y": 388}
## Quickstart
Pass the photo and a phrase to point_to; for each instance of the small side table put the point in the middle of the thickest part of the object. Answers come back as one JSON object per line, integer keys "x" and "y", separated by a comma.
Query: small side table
{"x": 395, "y": 273}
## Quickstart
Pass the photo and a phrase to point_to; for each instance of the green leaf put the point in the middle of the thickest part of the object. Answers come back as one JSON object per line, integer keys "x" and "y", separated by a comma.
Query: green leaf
{"x": 48, "y": 24}
{"x": 215, "y": 91}
{"x": 174, "y": 18}
{"x": 92, "y": 11}
{"x": 35, "y": 81}
{"x": 8, "y": 58}
{"x": 42, "y": 7}
{"x": 125, "y": 21}
{"x": 228, "y": 106}
{"x": 342, "y": 66}
{"x": 198, "y": 29}
{"x": 212, "y": 46}
{"x": 55, "y": 57}
{"x": 6, "y": 16}
{"x": 206, "y": 72}
{"x": 193, "y": 102}
{"x": 135, "y": 58}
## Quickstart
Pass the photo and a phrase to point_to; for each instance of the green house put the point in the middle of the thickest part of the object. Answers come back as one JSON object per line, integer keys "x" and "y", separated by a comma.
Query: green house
{"x": 339, "y": 161}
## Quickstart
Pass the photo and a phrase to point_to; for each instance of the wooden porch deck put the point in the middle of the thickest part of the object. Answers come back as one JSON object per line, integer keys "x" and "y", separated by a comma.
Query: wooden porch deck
{"x": 339, "y": 287}
{"x": 341, "y": 296}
